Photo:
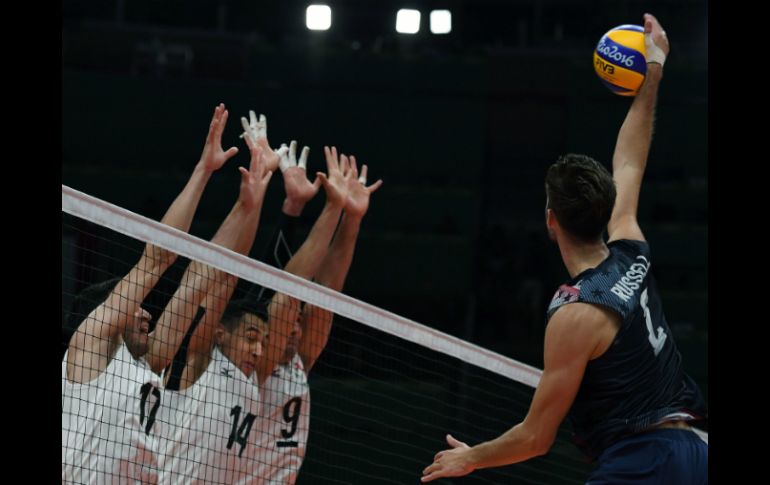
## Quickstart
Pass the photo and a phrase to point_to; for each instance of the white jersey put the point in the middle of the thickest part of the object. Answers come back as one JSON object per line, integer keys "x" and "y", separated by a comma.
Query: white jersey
{"x": 284, "y": 424}
{"x": 209, "y": 425}
{"x": 109, "y": 429}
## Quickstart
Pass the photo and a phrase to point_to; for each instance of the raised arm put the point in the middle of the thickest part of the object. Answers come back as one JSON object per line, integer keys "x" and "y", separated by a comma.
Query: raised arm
{"x": 97, "y": 338}
{"x": 237, "y": 233}
{"x": 635, "y": 136}
{"x": 283, "y": 311}
{"x": 299, "y": 191}
{"x": 316, "y": 322}
{"x": 182, "y": 210}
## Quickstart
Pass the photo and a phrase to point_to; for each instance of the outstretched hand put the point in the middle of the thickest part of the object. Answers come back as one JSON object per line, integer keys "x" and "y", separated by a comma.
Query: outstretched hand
{"x": 336, "y": 181}
{"x": 213, "y": 157}
{"x": 256, "y": 129}
{"x": 655, "y": 41}
{"x": 254, "y": 181}
{"x": 299, "y": 190}
{"x": 453, "y": 462}
{"x": 357, "y": 202}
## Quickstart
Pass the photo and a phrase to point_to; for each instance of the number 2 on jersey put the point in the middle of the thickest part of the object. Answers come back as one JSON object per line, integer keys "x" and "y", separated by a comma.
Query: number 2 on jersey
{"x": 658, "y": 340}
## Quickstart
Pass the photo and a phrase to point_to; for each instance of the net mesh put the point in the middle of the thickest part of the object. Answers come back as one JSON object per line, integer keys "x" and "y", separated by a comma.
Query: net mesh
{"x": 374, "y": 408}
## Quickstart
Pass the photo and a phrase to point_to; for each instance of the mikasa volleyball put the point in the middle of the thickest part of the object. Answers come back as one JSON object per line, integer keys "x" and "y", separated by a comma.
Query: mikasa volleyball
{"x": 619, "y": 59}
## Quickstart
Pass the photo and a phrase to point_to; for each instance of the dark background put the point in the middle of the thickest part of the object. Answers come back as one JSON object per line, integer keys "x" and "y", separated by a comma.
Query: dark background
{"x": 461, "y": 127}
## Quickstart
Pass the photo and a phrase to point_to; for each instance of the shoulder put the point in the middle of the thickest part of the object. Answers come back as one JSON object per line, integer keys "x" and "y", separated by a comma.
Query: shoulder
{"x": 629, "y": 247}
{"x": 581, "y": 328}
{"x": 579, "y": 315}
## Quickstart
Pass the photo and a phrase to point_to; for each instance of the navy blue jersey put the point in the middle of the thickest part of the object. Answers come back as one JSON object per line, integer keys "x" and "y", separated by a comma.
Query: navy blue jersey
{"x": 638, "y": 382}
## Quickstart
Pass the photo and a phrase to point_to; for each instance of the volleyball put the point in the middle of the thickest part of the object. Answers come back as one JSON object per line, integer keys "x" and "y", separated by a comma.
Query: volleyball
{"x": 619, "y": 59}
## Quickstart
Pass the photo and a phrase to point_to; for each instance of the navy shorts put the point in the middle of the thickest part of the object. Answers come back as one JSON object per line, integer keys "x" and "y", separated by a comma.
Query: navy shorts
{"x": 662, "y": 456}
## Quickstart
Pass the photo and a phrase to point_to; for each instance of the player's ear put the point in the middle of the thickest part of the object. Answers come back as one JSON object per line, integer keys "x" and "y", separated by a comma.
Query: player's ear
{"x": 550, "y": 218}
{"x": 219, "y": 334}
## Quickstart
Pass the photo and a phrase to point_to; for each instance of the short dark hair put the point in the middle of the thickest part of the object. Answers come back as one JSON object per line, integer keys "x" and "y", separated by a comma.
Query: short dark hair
{"x": 237, "y": 308}
{"x": 581, "y": 193}
{"x": 88, "y": 299}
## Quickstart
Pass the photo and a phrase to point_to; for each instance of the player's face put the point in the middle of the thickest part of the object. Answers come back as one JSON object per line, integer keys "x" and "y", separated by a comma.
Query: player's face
{"x": 244, "y": 346}
{"x": 136, "y": 334}
{"x": 292, "y": 344}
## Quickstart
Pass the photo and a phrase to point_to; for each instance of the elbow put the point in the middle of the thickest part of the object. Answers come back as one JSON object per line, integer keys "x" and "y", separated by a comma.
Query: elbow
{"x": 535, "y": 442}
{"x": 541, "y": 445}
{"x": 541, "y": 450}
